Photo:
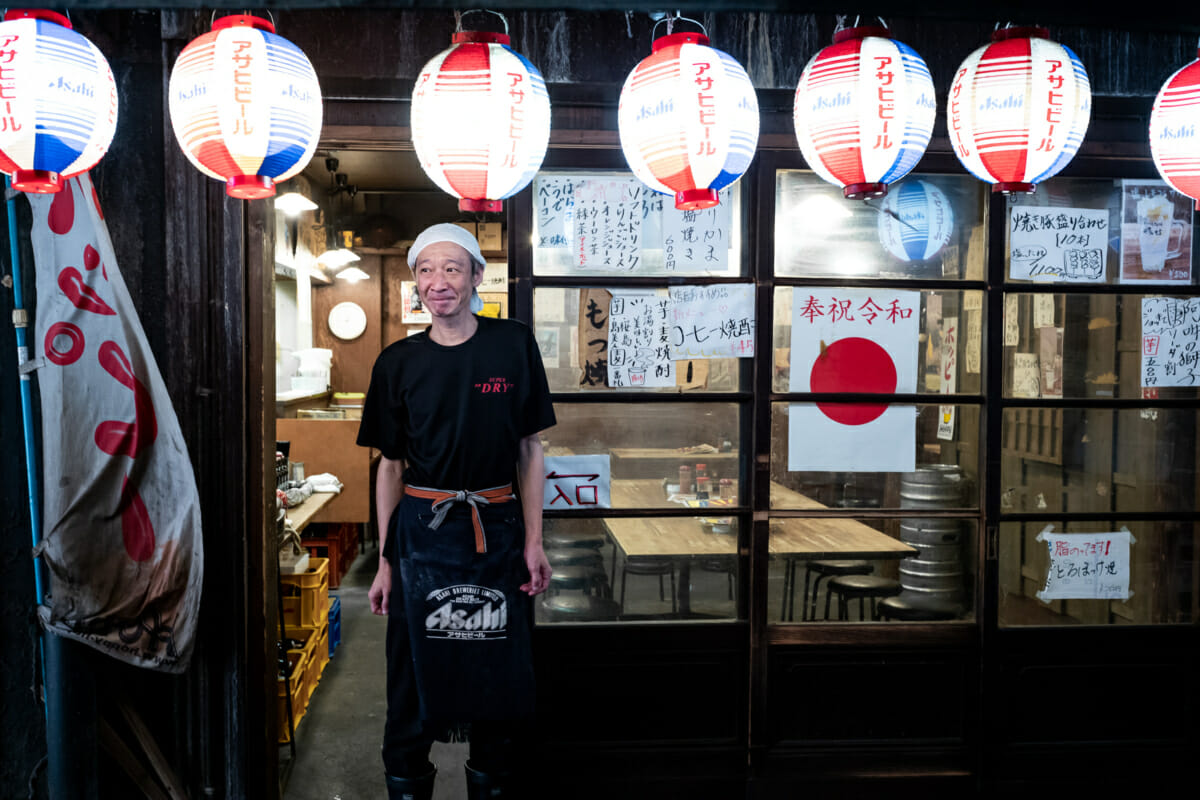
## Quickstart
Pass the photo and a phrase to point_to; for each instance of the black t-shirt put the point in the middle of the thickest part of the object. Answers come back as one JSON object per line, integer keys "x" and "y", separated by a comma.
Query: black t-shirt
{"x": 455, "y": 415}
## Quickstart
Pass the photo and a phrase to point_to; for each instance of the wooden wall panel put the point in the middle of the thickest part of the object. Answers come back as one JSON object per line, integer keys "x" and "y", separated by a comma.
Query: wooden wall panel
{"x": 327, "y": 445}
{"x": 352, "y": 361}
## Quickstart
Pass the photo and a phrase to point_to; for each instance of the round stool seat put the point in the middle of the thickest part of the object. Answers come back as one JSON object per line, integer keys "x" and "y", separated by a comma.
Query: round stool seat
{"x": 841, "y": 567}
{"x": 909, "y": 609}
{"x": 577, "y": 576}
{"x": 566, "y": 539}
{"x": 863, "y": 587}
{"x": 574, "y": 556}
{"x": 579, "y": 607}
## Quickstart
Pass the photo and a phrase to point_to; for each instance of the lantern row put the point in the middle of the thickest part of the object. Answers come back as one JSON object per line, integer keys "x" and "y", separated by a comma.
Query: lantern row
{"x": 246, "y": 108}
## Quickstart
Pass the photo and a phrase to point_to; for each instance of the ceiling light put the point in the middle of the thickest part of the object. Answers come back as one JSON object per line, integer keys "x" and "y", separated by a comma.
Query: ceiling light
{"x": 294, "y": 204}
{"x": 335, "y": 259}
{"x": 353, "y": 274}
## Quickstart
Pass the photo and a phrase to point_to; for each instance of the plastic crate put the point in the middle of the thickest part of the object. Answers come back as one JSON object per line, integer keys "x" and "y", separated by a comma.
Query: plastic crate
{"x": 335, "y": 625}
{"x": 306, "y": 595}
{"x": 317, "y": 650}
{"x": 298, "y": 662}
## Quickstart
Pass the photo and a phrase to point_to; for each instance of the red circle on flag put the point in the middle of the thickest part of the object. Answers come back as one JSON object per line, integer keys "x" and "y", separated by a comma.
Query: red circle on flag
{"x": 853, "y": 364}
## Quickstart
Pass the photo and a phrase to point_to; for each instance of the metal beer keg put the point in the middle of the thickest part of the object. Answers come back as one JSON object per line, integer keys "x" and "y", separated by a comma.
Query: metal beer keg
{"x": 936, "y": 572}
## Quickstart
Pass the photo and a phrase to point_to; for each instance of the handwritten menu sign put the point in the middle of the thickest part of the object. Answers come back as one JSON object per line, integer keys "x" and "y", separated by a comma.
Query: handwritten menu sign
{"x": 948, "y": 374}
{"x": 1170, "y": 341}
{"x": 697, "y": 241}
{"x": 1058, "y": 244}
{"x": 712, "y": 321}
{"x": 1025, "y": 379}
{"x": 592, "y": 347}
{"x": 638, "y": 335}
{"x": 1087, "y": 565}
{"x": 608, "y": 225}
{"x": 577, "y": 482}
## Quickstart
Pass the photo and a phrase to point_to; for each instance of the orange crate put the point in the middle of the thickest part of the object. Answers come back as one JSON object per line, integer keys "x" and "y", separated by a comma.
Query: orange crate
{"x": 306, "y": 596}
{"x": 298, "y": 662}
{"x": 317, "y": 653}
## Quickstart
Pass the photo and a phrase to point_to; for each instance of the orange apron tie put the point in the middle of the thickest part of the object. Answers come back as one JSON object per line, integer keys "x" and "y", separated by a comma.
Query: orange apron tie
{"x": 444, "y": 498}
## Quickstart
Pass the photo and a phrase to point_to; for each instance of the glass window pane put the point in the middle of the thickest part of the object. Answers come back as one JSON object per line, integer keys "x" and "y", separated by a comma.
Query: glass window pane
{"x": 556, "y": 321}
{"x": 950, "y": 326}
{"x": 1109, "y": 231}
{"x": 954, "y": 459}
{"x": 909, "y": 569}
{"x": 652, "y": 444}
{"x": 607, "y": 222}
{"x": 1096, "y": 460}
{"x": 1093, "y": 345}
{"x": 640, "y": 569}
{"x": 1163, "y": 579}
{"x": 929, "y": 226}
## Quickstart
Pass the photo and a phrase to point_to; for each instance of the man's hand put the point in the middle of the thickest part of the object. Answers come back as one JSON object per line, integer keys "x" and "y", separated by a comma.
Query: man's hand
{"x": 381, "y": 589}
{"x": 539, "y": 571}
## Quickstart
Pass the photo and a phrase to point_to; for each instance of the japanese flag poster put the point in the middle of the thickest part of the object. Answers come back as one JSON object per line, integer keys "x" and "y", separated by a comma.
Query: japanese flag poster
{"x": 853, "y": 341}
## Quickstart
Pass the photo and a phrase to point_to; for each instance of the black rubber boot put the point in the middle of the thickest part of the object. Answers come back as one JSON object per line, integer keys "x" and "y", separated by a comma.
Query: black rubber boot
{"x": 487, "y": 786}
{"x": 411, "y": 788}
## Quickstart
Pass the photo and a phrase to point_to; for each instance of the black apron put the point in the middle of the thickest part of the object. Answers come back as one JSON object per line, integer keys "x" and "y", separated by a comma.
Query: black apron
{"x": 469, "y": 624}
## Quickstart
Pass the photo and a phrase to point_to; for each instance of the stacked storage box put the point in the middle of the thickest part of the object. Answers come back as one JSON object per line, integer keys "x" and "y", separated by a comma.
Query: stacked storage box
{"x": 306, "y": 617}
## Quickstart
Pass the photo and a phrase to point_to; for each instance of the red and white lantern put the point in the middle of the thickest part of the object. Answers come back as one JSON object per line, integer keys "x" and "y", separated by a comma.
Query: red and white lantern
{"x": 58, "y": 101}
{"x": 245, "y": 105}
{"x": 688, "y": 120}
{"x": 1018, "y": 109}
{"x": 864, "y": 111}
{"x": 480, "y": 120}
{"x": 1175, "y": 131}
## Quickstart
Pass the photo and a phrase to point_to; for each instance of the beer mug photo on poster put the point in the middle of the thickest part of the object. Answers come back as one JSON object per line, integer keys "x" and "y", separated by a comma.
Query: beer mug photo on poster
{"x": 1155, "y": 229}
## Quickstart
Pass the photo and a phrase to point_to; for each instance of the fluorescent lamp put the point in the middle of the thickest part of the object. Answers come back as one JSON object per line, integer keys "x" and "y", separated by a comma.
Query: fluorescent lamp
{"x": 336, "y": 259}
{"x": 294, "y": 204}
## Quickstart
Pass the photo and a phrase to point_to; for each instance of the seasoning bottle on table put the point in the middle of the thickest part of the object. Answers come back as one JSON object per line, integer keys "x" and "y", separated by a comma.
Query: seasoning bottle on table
{"x": 726, "y": 485}
{"x": 685, "y": 480}
{"x": 703, "y": 484}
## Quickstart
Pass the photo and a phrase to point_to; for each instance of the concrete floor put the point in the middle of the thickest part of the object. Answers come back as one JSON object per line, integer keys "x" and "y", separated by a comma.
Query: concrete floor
{"x": 337, "y": 742}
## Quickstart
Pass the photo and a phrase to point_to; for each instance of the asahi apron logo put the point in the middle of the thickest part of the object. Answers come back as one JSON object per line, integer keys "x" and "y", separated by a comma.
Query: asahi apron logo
{"x": 466, "y": 612}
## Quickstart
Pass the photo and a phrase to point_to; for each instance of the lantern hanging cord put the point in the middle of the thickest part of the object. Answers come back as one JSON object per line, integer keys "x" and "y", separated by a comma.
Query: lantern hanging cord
{"x": 458, "y": 15}
{"x": 890, "y": 213}
{"x": 671, "y": 24}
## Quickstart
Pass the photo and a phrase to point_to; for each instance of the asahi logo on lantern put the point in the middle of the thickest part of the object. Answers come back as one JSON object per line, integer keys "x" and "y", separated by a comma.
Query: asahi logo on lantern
{"x": 839, "y": 100}
{"x": 663, "y": 107}
{"x": 1182, "y": 132}
{"x": 466, "y": 611}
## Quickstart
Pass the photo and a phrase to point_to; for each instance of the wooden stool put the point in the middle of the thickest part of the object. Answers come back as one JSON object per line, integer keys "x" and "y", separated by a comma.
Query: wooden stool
{"x": 824, "y": 569}
{"x": 848, "y": 587}
{"x": 909, "y": 609}
{"x": 649, "y": 565}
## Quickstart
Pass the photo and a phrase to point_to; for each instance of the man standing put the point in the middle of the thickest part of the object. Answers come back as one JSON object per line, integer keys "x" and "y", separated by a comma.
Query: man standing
{"x": 456, "y": 412}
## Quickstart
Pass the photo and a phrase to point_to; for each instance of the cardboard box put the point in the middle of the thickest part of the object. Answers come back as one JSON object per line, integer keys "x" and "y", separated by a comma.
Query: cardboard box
{"x": 490, "y": 236}
{"x": 469, "y": 227}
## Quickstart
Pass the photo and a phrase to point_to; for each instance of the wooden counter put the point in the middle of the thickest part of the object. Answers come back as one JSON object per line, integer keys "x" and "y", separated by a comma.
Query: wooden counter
{"x": 302, "y": 514}
{"x": 664, "y": 462}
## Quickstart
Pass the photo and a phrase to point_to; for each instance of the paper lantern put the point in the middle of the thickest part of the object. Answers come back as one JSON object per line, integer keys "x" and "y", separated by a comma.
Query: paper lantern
{"x": 916, "y": 221}
{"x": 688, "y": 120}
{"x": 245, "y": 105}
{"x": 1018, "y": 109}
{"x": 480, "y": 120}
{"x": 1175, "y": 131}
{"x": 864, "y": 111}
{"x": 59, "y": 97}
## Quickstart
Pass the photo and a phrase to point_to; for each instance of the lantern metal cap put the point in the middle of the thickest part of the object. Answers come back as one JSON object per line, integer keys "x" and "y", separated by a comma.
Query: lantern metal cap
{"x": 865, "y": 191}
{"x": 673, "y": 39}
{"x": 37, "y": 13}
{"x": 480, "y": 37}
{"x": 1014, "y": 187}
{"x": 480, "y": 204}
{"x": 38, "y": 181}
{"x": 696, "y": 199}
{"x": 249, "y": 187}
{"x": 1020, "y": 32}
{"x": 861, "y": 32}
{"x": 243, "y": 21}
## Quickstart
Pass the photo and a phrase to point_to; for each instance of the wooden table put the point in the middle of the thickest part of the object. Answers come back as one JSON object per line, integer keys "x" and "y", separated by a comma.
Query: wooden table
{"x": 302, "y": 514}
{"x": 684, "y": 538}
